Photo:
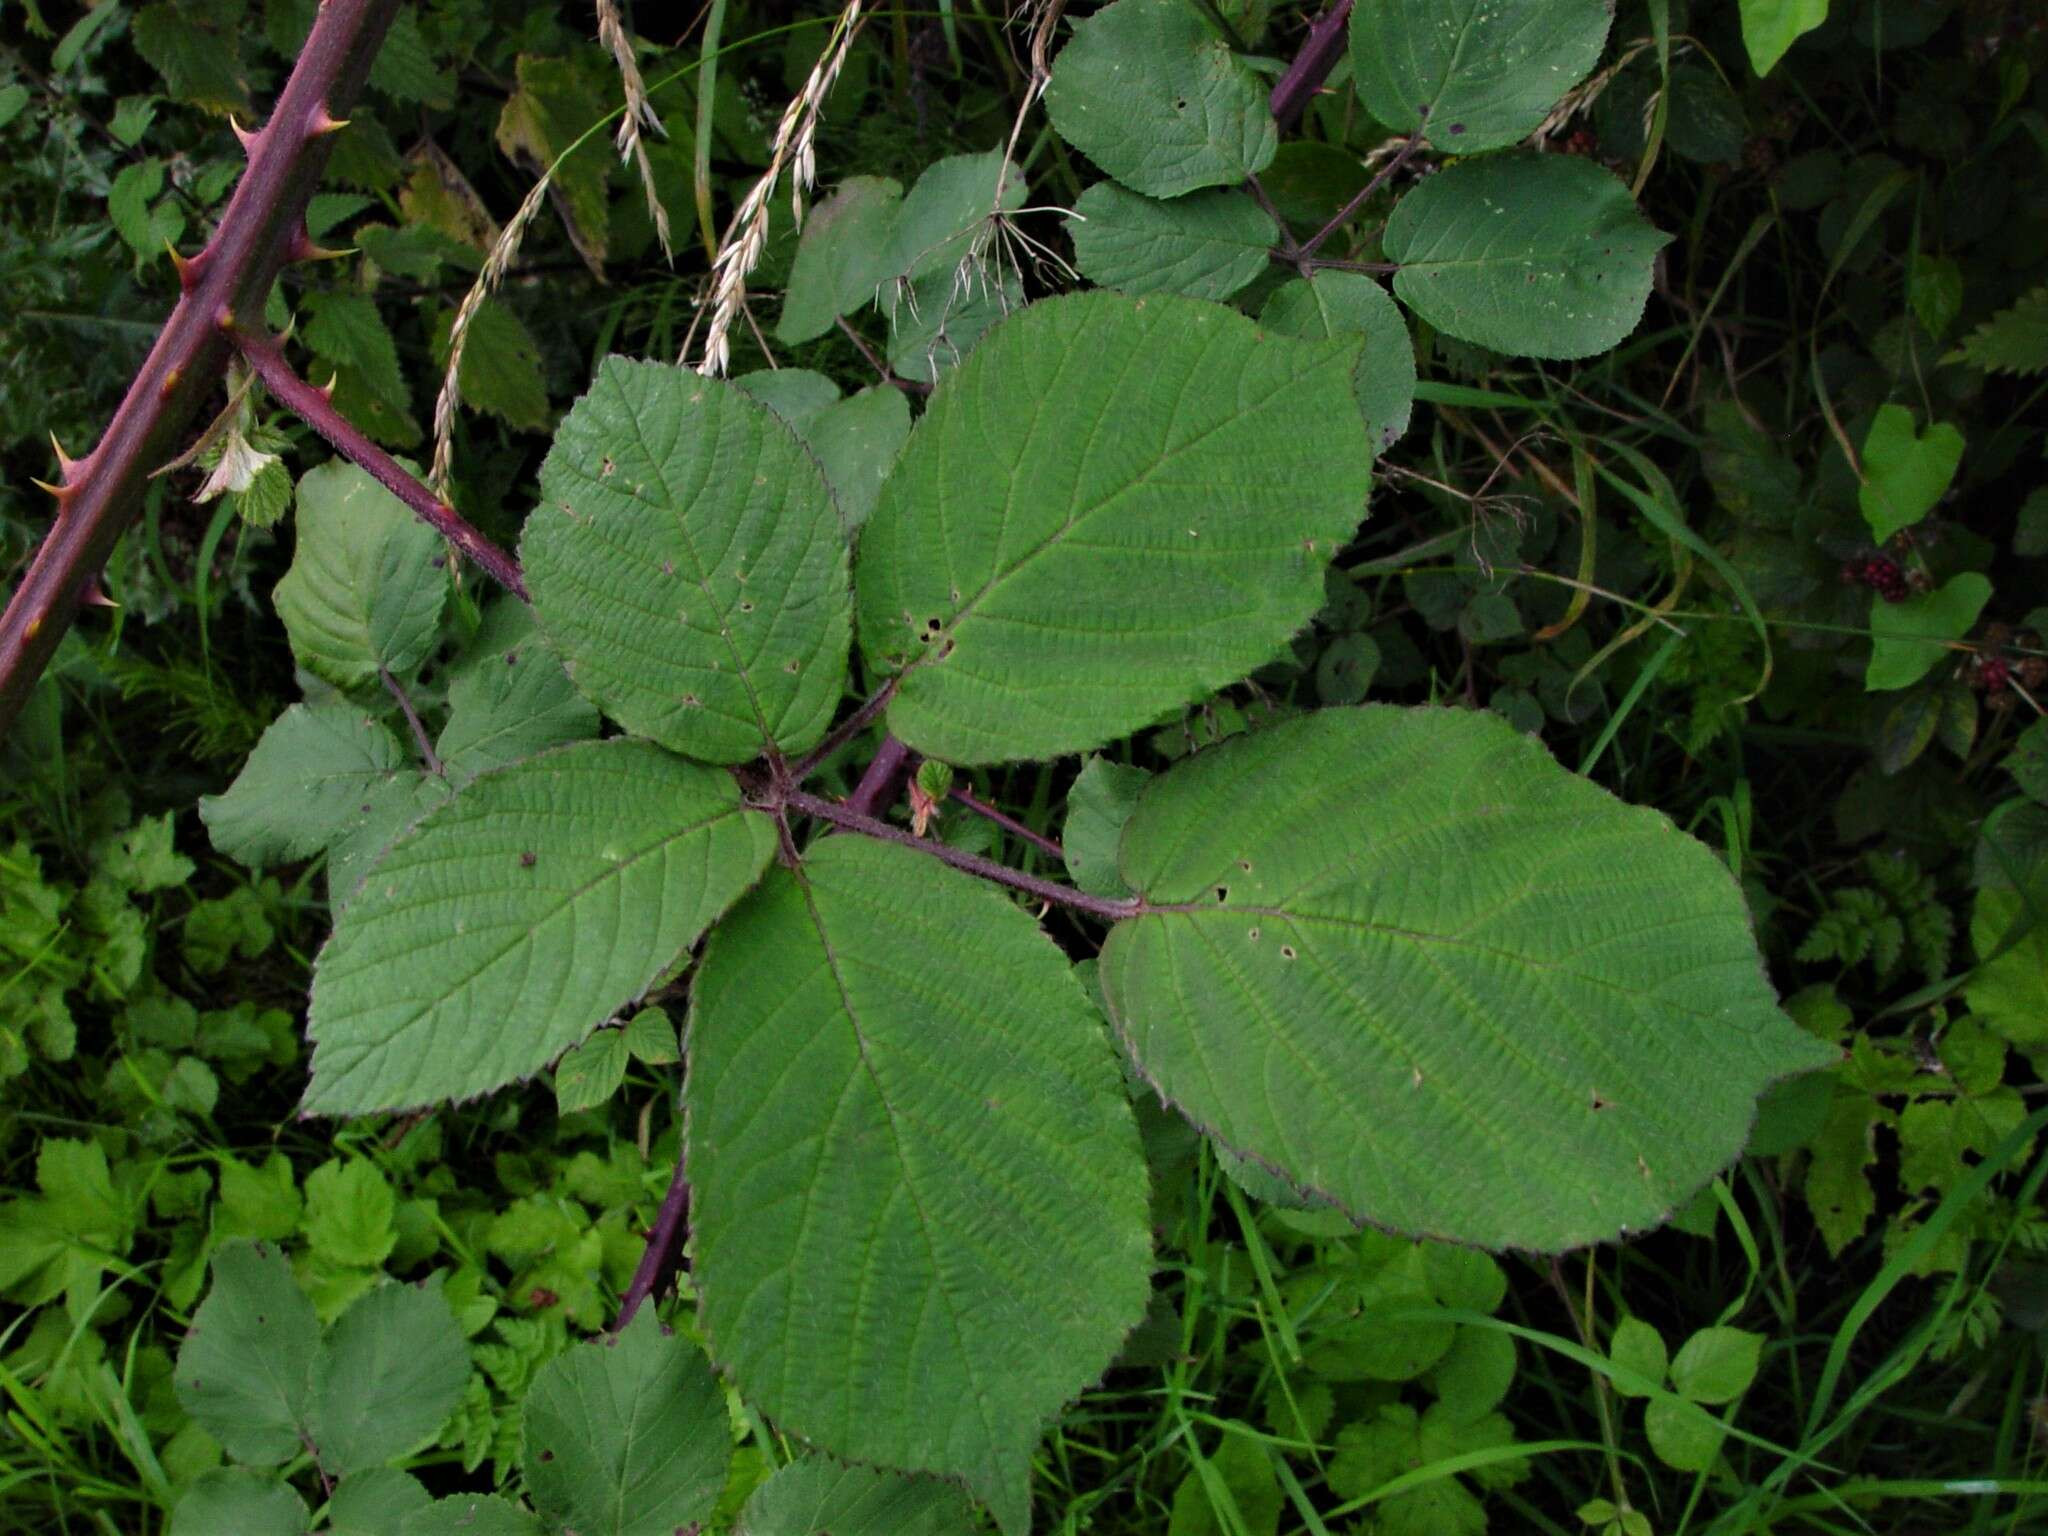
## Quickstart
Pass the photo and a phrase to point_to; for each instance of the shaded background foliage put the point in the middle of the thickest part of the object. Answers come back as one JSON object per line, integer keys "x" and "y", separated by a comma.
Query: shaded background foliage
{"x": 1664, "y": 561}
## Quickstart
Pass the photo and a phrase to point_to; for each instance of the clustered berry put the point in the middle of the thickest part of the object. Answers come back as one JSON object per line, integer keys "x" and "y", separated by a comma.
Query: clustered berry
{"x": 1993, "y": 673}
{"x": 1881, "y": 574}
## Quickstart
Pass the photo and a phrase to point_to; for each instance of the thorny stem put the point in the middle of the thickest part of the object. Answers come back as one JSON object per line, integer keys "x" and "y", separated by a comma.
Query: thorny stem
{"x": 972, "y": 863}
{"x": 1380, "y": 179}
{"x": 315, "y": 408}
{"x": 260, "y": 231}
{"x": 882, "y": 782}
{"x": 420, "y": 738}
{"x": 1011, "y": 825}
{"x": 1312, "y": 66}
{"x": 664, "y": 1250}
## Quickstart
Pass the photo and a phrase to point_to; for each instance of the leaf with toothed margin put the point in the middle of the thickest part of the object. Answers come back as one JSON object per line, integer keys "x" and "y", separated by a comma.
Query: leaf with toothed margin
{"x": 918, "y": 1212}
{"x": 518, "y": 917}
{"x": 687, "y": 561}
{"x": 819, "y": 1497}
{"x": 1419, "y": 970}
{"x": 1114, "y": 507}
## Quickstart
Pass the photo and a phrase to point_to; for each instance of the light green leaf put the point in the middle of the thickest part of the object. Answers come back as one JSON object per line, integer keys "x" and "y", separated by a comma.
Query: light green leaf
{"x": 145, "y": 229}
{"x": 626, "y": 1436}
{"x": 819, "y": 1497}
{"x": 303, "y": 784}
{"x": 385, "y": 814}
{"x": 919, "y": 1206}
{"x": 348, "y": 335}
{"x": 1509, "y": 1009}
{"x": 145, "y": 857}
{"x": 555, "y": 101}
{"x": 234, "y": 1501}
{"x": 1639, "y": 1347}
{"x": 1769, "y": 27}
{"x": 245, "y": 1370}
{"x": 510, "y": 706}
{"x": 1904, "y": 473}
{"x": 687, "y": 562}
{"x": 1071, "y": 546}
{"x": 388, "y": 1375}
{"x": 197, "y": 51}
{"x": 842, "y": 259}
{"x": 1475, "y": 1375}
{"x": 1206, "y": 245}
{"x": 945, "y": 219}
{"x": 1909, "y": 639}
{"x": 351, "y": 1213}
{"x": 500, "y": 366}
{"x": 1533, "y": 255}
{"x": 367, "y": 580}
{"x": 1681, "y": 1437}
{"x": 1151, "y": 94}
{"x": 856, "y": 442}
{"x": 590, "y": 1073}
{"x": 794, "y": 394}
{"x": 2015, "y": 340}
{"x": 1101, "y": 801}
{"x": 1716, "y": 1365}
{"x": 1333, "y": 304}
{"x": 375, "y": 1503}
{"x": 257, "y": 1201}
{"x": 1472, "y": 74}
{"x": 470, "y": 1514}
{"x": 1838, "y": 1188}
{"x": 518, "y": 917}
{"x": 2010, "y": 990}
{"x": 651, "y": 1038}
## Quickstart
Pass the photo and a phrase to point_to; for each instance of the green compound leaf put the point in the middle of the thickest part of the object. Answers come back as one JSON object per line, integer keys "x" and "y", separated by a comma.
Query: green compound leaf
{"x": 916, "y": 1180}
{"x": 366, "y": 583}
{"x": 1537, "y": 255}
{"x": 1072, "y": 543}
{"x": 508, "y": 706}
{"x": 519, "y": 916}
{"x": 387, "y": 1376}
{"x": 1905, "y": 472}
{"x": 245, "y": 1371}
{"x": 1908, "y": 639}
{"x": 626, "y": 1436}
{"x": 1149, "y": 93}
{"x": 1102, "y": 800}
{"x": 819, "y": 1497}
{"x": 1472, "y": 74}
{"x": 841, "y": 260}
{"x": 1206, "y": 245}
{"x": 304, "y": 784}
{"x": 2015, "y": 340}
{"x": 687, "y": 562}
{"x": 375, "y": 1503}
{"x": 1423, "y": 972}
{"x": 470, "y": 1514}
{"x": 945, "y": 217}
{"x": 1352, "y": 304}
{"x": 237, "y": 1500}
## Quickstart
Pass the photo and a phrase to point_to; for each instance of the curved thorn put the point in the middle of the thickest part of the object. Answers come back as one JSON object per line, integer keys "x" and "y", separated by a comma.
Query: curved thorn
{"x": 248, "y": 136}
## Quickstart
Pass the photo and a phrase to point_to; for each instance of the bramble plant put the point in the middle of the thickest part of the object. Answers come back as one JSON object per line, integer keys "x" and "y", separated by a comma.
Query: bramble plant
{"x": 1396, "y": 960}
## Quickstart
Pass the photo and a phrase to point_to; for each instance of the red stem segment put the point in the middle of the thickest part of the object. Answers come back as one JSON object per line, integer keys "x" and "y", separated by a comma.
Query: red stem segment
{"x": 882, "y": 782}
{"x": 664, "y": 1250}
{"x": 1311, "y": 66}
{"x": 1011, "y": 825}
{"x": 973, "y": 863}
{"x": 261, "y": 230}
{"x": 313, "y": 407}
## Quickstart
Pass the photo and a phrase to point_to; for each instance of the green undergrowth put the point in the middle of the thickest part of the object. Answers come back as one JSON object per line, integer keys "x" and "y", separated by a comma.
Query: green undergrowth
{"x": 1773, "y": 565}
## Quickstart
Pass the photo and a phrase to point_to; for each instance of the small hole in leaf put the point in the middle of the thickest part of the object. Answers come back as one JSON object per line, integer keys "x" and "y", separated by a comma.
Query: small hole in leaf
{"x": 1599, "y": 1103}
{"x": 1245, "y": 865}
{"x": 1223, "y": 893}
{"x": 511, "y": 658}
{"x": 746, "y": 607}
{"x": 1253, "y": 935}
{"x": 547, "y": 1455}
{"x": 1457, "y": 127}
{"x": 790, "y": 666}
{"x": 528, "y": 859}
{"x": 1286, "y": 951}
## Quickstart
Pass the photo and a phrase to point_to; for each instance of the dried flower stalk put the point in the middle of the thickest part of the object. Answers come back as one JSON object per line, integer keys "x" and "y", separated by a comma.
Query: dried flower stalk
{"x": 640, "y": 113}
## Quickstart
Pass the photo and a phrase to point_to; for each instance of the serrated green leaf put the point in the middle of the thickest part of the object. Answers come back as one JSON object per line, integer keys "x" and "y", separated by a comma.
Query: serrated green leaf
{"x": 856, "y": 442}
{"x": 842, "y": 258}
{"x": 935, "y": 322}
{"x": 257, "y": 1202}
{"x": 470, "y": 1514}
{"x": 651, "y": 1038}
{"x": 367, "y": 580}
{"x": 819, "y": 1497}
{"x": 555, "y": 100}
{"x": 1904, "y": 472}
{"x": 794, "y": 394}
{"x": 508, "y": 707}
{"x": 1206, "y": 245}
{"x": 518, "y": 917}
{"x": 348, "y": 335}
{"x": 626, "y": 1436}
{"x": 944, "y": 220}
{"x": 387, "y": 1376}
{"x": 1333, "y": 304}
{"x": 1909, "y": 639}
{"x": 238, "y": 1501}
{"x": 2010, "y": 989}
{"x": 1475, "y": 1375}
{"x": 919, "y": 1206}
{"x": 1769, "y": 27}
{"x": 1639, "y": 1347}
{"x": 687, "y": 561}
{"x": 1510, "y": 1010}
{"x": 145, "y": 229}
{"x": 245, "y": 1370}
{"x": 404, "y": 69}
{"x": 1150, "y": 93}
{"x": 351, "y": 1213}
{"x": 304, "y": 783}
{"x": 500, "y": 366}
{"x": 1838, "y": 1189}
{"x": 1102, "y": 800}
{"x": 590, "y": 1073}
{"x": 1716, "y": 1365}
{"x": 2015, "y": 340}
{"x": 375, "y": 1503}
{"x": 1532, "y": 255}
{"x": 1472, "y": 74}
{"x": 1680, "y": 1437}
{"x": 199, "y": 57}
{"x": 1071, "y": 546}
{"x": 384, "y": 815}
